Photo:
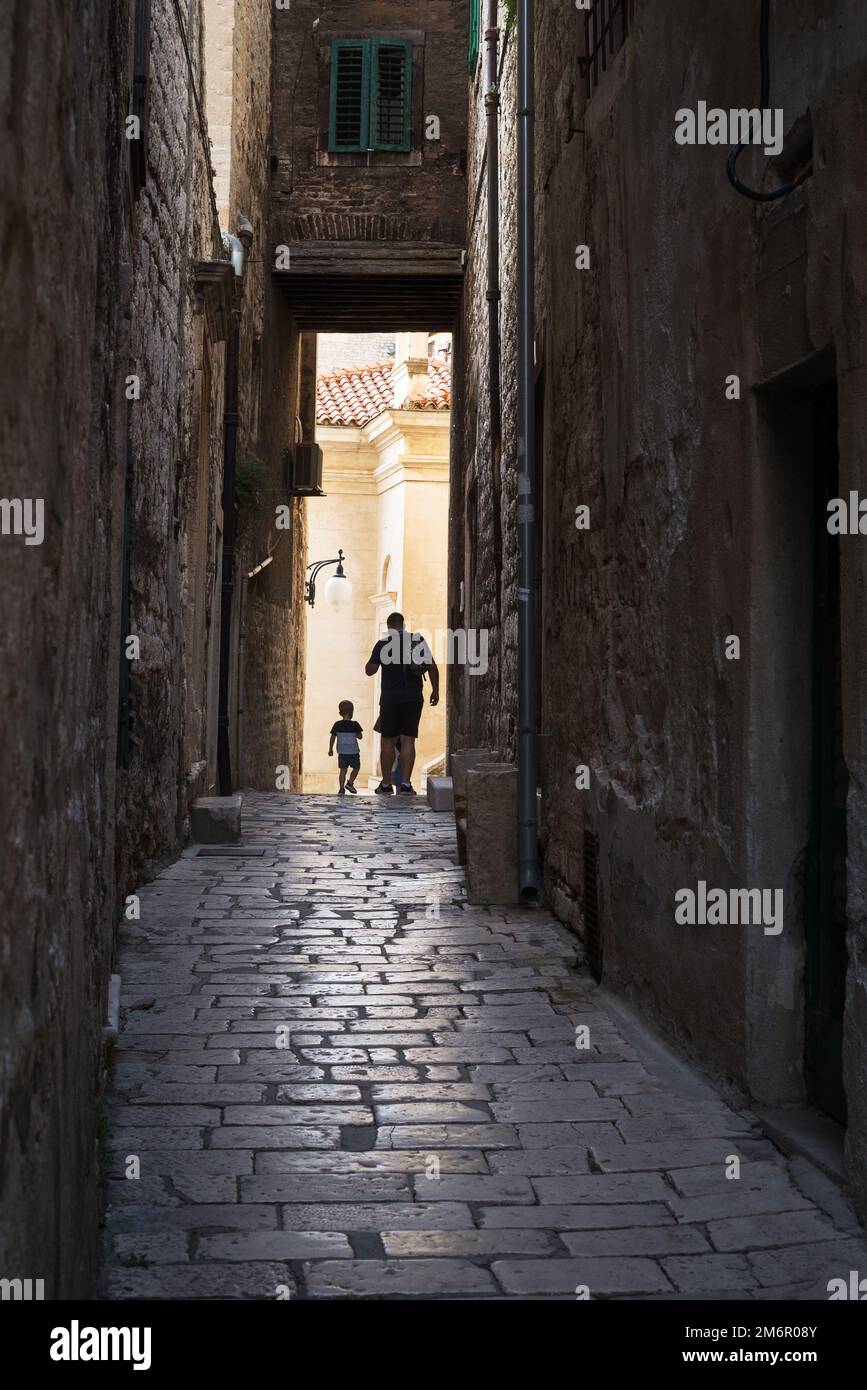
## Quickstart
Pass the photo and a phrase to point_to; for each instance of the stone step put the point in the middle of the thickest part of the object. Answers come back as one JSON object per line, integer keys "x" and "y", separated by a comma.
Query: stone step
{"x": 216, "y": 820}
{"x": 440, "y": 794}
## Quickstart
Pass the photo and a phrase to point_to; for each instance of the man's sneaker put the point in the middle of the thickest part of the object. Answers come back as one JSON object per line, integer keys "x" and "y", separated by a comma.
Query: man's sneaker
{"x": 383, "y": 790}
{"x": 406, "y": 789}
{"x": 351, "y": 787}
{"x": 341, "y": 791}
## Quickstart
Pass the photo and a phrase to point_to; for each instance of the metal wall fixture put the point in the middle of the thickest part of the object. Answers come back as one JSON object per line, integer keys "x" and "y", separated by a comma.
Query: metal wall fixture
{"x": 338, "y": 590}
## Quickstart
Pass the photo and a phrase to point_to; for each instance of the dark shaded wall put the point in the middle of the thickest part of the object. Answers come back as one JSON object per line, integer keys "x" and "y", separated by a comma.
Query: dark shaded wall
{"x": 98, "y": 286}
{"x": 702, "y": 512}
{"x": 483, "y": 710}
{"x": 173, "y": 224}
{"x": 59, "y": 96}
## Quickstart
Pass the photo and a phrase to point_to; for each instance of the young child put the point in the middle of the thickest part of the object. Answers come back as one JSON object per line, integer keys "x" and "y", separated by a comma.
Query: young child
{"x": 347, "y": 731}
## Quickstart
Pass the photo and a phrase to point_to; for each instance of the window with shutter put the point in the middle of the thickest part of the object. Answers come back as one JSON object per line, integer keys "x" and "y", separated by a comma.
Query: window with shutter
{"x": 475, "y": 32}
{"x": 349, "y": 121}
{"x": 391, "y": 120}
{"x": 370, "y": 104}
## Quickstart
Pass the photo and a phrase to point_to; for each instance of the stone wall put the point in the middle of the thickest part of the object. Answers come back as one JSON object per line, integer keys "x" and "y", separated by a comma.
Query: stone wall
{"x": 267, "y": 640}
{"x": 60, "y": 103}
{"x": 174, "y": 225}
{"x": 482, "y": 710}
{"x": 98, "y": 291}
{"x": 334, "y": 351}
{"x": 701, "y": 511}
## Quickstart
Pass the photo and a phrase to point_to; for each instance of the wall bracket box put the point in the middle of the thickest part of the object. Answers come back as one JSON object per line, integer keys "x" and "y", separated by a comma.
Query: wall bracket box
{"x": 302, "y": 465}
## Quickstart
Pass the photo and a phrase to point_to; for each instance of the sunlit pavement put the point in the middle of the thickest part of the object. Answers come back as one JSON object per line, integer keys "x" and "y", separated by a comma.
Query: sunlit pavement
{"x": 335, "y": 1079}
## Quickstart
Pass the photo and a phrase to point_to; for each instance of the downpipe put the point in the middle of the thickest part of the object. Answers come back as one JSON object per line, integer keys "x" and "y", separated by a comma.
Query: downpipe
{"x": 492, "y": 109}
{"x": 528, "y": 815}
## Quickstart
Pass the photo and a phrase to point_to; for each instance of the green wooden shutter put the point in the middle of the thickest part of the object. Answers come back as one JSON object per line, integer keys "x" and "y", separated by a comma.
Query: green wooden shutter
{"x": 349, "y": 106}
{"x": 391, "y": 94}
{"x": 475, "y": 32}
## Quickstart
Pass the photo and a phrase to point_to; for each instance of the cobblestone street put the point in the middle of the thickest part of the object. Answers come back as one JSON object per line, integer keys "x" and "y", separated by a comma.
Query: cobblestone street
{"x": 335, "y": 1095}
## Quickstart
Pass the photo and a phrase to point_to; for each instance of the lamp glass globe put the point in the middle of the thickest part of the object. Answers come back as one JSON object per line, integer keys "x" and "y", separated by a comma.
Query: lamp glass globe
{"x": 338, "y": 593}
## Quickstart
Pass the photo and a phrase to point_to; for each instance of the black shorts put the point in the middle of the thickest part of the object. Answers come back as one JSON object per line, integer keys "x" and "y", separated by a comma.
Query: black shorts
{"x": 400, "y": 721}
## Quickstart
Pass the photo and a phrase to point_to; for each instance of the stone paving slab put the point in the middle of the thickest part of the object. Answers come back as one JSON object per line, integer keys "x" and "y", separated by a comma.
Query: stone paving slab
{"x": 340, "y": 1081}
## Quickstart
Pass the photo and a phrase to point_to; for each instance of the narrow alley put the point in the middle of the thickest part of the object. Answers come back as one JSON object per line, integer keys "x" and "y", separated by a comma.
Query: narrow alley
{"x": 323, "y": 1089}
{"x": 433, "y": 664}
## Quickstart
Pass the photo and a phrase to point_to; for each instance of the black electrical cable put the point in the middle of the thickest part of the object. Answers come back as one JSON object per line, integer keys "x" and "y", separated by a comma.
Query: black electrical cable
{"x": 736, "y": 150}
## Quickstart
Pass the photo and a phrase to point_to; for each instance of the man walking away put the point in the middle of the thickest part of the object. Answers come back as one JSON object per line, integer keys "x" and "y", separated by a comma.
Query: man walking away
{"x": 405, "y": 660}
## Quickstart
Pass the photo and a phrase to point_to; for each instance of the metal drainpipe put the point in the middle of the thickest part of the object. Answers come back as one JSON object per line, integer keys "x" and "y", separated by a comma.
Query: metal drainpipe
{"x": 242, "y": 662}
{"x": 528, "y": 832}
{"x": 492, "y": 106}
{"x": 237, "y": 245}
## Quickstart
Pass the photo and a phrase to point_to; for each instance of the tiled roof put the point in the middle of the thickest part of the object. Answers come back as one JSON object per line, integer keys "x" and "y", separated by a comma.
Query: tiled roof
{"x": 356, "y": 395}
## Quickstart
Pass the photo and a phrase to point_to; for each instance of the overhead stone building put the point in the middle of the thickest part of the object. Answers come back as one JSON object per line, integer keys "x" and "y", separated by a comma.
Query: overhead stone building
{"x": 369, "y": 144}
{"x": 699, "y": 402}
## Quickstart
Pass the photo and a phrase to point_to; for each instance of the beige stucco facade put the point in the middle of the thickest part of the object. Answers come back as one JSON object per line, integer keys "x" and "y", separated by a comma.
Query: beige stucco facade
{"x": 387, "y": 508}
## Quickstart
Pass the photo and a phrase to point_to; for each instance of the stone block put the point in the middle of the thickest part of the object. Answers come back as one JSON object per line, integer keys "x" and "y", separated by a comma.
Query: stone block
{"x": 216, "y": 820}
{"x": 461, "y": 763}
{"x": 492, "y": 834}
{"x": 440, "y": 794}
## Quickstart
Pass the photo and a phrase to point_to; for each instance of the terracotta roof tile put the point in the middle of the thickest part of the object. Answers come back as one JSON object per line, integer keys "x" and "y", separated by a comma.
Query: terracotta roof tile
{"x": 356, "y": 395}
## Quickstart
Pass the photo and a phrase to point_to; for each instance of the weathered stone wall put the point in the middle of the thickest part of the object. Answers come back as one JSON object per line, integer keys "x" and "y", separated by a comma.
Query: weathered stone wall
{"x": 219, "y": 74}
{"x": 335, "y": 351}
{"x": 174, "y": 225}
{"x": 274, "y": 623}
{"x": 98, "y": 289}
{"x": 60, "y": 98}
{"x": 482, "y": 710}
{"x": 701, "y": 510}
{"x": 268, "y": 615}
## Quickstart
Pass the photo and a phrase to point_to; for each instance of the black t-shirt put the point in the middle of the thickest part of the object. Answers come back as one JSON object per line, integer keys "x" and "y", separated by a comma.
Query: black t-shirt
{"x": 347, "y": 732}
{"x": 403, "y": 658}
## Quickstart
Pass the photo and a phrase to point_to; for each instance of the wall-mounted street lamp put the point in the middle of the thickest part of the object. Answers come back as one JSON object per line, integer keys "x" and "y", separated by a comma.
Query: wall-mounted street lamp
{"x": 338, "y": 590}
